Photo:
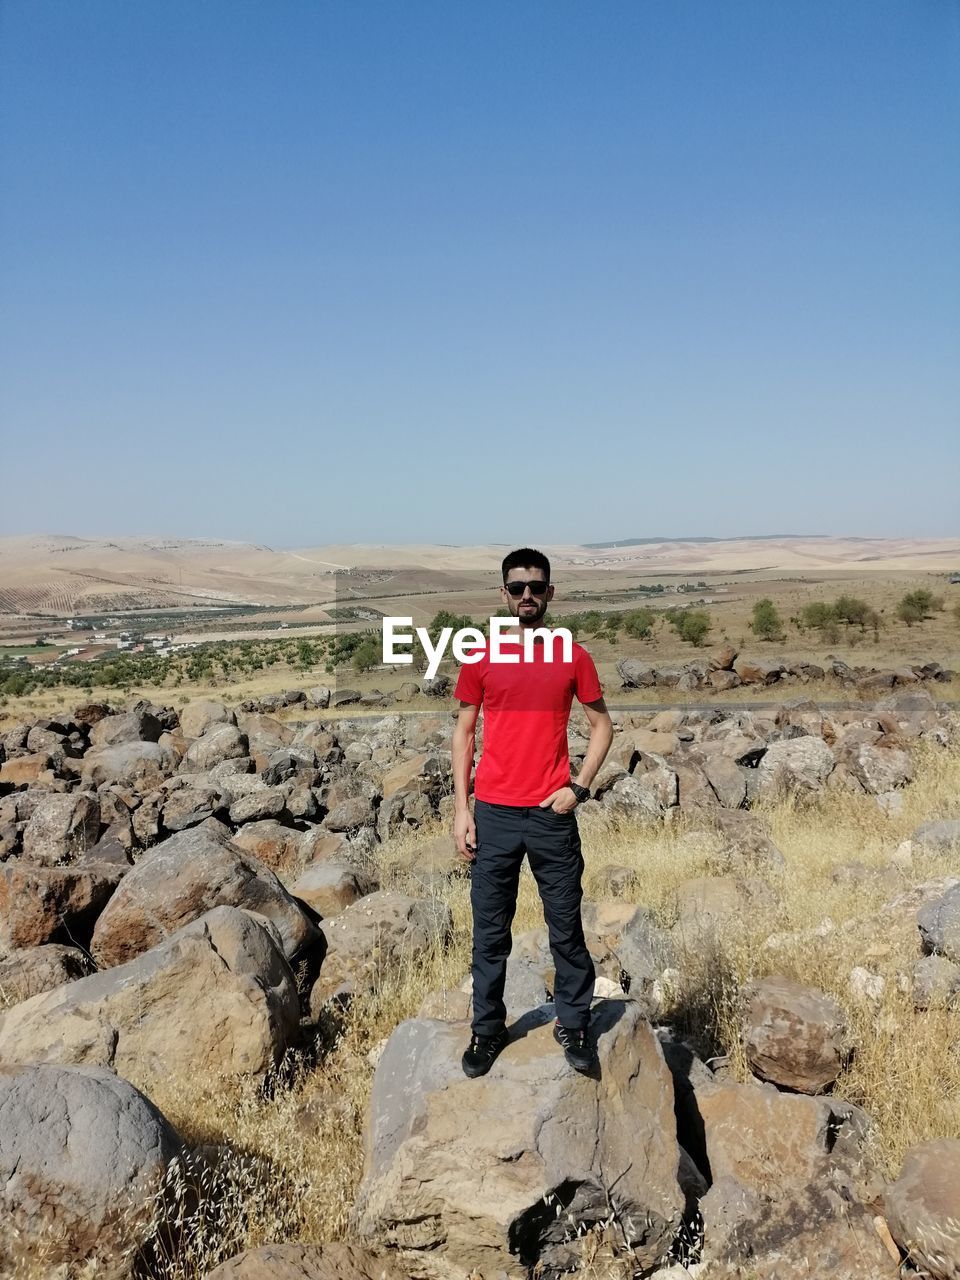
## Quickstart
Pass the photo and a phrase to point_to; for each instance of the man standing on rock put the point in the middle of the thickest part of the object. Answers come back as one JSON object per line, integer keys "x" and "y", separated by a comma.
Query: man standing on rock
{"x": 524, "y": 804}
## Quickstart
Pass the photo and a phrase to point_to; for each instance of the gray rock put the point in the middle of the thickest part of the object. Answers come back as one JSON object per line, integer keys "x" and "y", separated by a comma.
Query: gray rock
{"x": 942, "y": 836}
{"x": 936, "y": 982}
{"x": 794, "y": 765}
{"x": 265, "y": 802}
{"x": 939, "y": 924}
{"x": 368, "y": 941}
{"x": 189, "y": 806}
{"x": 508, "y": 1170}
{"x": 923, "y": 1207}
{"x": 142, "y": 765}
{"x": 83, "y": 1155}
{"x": 61, "y": 828}
{"x": 139, "y": 724}
{"x": 198, "y": 716}
{"x": 219, "y": 742}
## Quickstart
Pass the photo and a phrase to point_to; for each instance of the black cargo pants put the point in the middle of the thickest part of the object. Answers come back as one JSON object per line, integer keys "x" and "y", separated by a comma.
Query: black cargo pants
{"x": 551, "y": 842}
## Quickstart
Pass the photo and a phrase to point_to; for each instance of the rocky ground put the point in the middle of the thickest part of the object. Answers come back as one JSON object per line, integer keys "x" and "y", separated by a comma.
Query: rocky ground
{"x": 233, "y": 998}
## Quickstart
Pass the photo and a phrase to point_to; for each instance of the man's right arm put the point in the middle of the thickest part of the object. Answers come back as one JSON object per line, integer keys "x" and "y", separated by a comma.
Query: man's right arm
{"x": 464, "y": 736}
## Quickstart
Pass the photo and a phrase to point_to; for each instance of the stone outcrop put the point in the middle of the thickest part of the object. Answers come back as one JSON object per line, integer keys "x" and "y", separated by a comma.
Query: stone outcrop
{"x": 497, "y": 1174}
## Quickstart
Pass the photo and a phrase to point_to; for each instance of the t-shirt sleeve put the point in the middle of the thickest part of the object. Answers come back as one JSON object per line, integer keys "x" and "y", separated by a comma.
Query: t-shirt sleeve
{"x": 587, "y": 682}
{"x": 470, "y": 683}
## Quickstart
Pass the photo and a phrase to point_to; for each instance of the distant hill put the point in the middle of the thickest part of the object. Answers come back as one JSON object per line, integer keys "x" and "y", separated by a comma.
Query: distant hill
{"x": 61, "y": 575}
{"x": 748, "y": 537}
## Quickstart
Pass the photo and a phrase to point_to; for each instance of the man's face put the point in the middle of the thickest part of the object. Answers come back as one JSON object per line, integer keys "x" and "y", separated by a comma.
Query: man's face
{"x": 529, "y": 607}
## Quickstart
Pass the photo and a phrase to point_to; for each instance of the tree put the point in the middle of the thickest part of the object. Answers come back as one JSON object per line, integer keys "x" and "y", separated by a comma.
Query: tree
{"x": 693, "y": 625}
{"x": 851, "y": 610}
{"x": 366, "y": 655}
{"x": 638, "y": 623}
{"x": 917, "y": 605}
{"x": 767, "y": 623}
{"x": 818, "y": 615}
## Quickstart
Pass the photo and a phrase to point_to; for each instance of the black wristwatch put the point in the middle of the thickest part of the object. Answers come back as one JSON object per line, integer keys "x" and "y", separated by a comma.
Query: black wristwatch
{"x": 582, "y": 793}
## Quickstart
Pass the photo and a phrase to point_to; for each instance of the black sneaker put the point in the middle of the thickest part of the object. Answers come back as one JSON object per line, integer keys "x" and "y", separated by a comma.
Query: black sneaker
{"x": 577, "y": 1049}
{"x": 482, "y": 1053}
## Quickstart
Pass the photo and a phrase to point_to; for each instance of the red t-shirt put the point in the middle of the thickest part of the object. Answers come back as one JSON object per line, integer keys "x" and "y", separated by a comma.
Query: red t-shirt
{"x": 526, "y": 707}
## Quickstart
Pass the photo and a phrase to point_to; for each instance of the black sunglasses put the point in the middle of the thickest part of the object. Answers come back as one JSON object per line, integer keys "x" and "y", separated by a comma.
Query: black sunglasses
{"x": 516, "y": 589}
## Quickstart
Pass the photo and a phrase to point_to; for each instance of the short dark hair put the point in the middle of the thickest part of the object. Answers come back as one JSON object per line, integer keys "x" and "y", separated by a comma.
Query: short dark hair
{"x": 526, "y": 558}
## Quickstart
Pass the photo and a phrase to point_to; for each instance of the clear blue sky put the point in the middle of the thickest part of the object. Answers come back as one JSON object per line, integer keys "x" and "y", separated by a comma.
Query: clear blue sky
{"x": 303, "y": 272}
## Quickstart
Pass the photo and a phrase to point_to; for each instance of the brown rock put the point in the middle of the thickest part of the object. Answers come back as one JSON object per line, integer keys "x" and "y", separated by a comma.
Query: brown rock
{"x": 724, "y": 659}
{"x": 51, "y": 904}
{"x": 923, "y": 1207}
{"x": 271, "y": 843}
{"x": 330, "y": 887}
{"x": 29, "y": 971}
{"x": 185, "y": 877}
{"x": 215, "y": 998}
{"x": 795, "y": 1036}
{"x": 23, "y": 771}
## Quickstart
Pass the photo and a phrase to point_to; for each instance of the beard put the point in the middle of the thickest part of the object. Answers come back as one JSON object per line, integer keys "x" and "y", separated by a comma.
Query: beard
{"x": 530, "y": 617}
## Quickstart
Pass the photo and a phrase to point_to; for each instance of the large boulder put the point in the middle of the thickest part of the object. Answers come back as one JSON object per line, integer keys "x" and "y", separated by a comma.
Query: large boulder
{"x": 52, "y": 904}
{"x": 139, "y": 724}
{"x": 83, "y": 1156}
{"x": 790, "y": 1176}
{"x": 499, "y": 1174}
{"x": 183, "y": 878}
{"x": 198, "y": 716}
{"x": 794, "y": 765}
{"x": 923, "y": 1207}
{"x": 140, "y": 765}
{"x": 217, "y": 743}
{"x": 795, "y": 1036}
{"x": 61, "y": 827}
{"x": 373, "y": 938}
{"x": 215, "y": 998}
{"x": 308, "y": 1262}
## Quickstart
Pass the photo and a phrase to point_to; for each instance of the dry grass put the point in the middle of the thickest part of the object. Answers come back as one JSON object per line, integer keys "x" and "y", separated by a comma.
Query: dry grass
{"x": 284, "y": 1163}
